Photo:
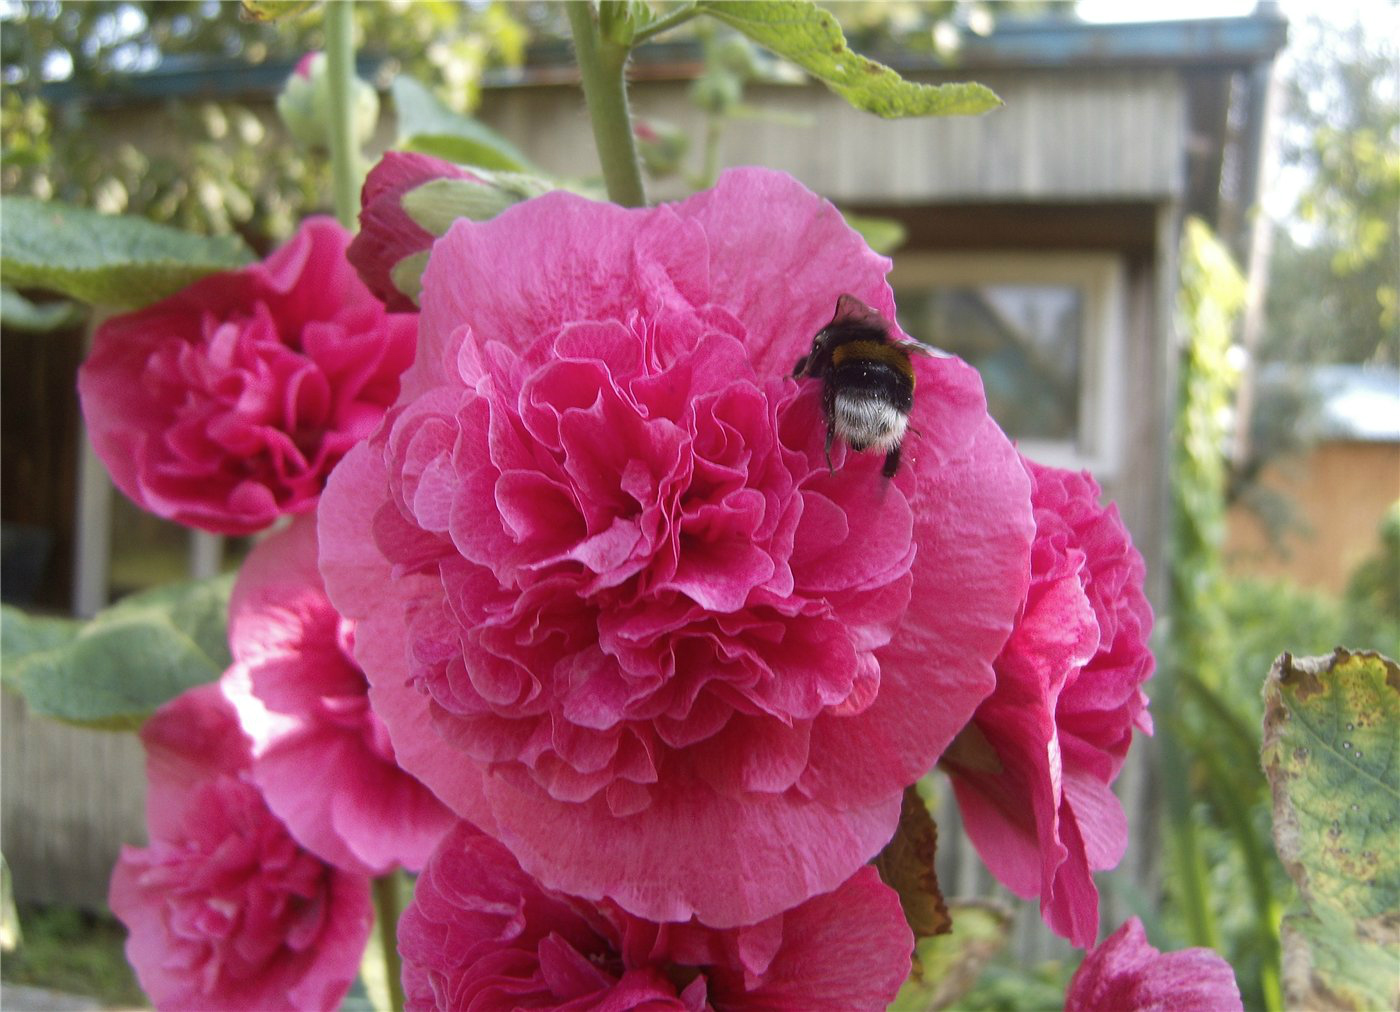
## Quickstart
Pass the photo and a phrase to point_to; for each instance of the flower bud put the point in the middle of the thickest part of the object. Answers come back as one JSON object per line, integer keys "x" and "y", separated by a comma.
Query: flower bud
{"x": 305, "y": 104}
{"x": 661, "y": 146}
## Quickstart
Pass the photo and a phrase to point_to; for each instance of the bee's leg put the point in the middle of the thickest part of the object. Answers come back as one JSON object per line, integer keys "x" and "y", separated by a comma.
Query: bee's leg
{"x": 801, "y": 366}
{"x": 891, "y": 462}
{"x": 829, "y": 415}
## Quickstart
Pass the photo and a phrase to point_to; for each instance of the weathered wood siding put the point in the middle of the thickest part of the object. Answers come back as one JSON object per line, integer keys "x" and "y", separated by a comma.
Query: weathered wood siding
{"x": 72, "y": 797}
{"x": 1341, "y": 491}
{"x": 1074, "y": 135}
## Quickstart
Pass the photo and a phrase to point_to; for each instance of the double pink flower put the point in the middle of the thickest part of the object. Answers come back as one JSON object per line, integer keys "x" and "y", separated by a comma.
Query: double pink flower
{"x": 613, "y": 606}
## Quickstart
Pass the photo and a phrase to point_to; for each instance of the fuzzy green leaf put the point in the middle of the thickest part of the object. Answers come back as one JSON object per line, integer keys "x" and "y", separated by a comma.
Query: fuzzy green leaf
{"x": 427, "y": 126}
{"x": 1332, "y": 755}
{"x": 112, "y": 260}
{"x": 113, "y": 671}
{"x": 810, "y": 37}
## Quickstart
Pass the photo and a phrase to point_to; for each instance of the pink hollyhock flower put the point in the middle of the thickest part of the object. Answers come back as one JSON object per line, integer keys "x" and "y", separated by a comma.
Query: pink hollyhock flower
{"x": 1032, "y": 772}
{"x": 1127, "y": 974}
{"x": 387, "y": 233}
{"x": 224, "y": 910}
{"x": 614, "y": 607}
{"x": 320, "y": 755}
{"x": 482, "y": 934}
{"x": 227, "y": 404}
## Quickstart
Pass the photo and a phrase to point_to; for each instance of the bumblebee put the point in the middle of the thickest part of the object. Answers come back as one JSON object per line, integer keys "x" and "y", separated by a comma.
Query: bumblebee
{"x": 867, "y": 380}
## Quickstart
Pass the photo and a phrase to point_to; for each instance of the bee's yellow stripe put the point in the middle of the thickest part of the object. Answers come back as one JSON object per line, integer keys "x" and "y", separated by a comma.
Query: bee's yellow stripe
{"x": 873, "y": 351}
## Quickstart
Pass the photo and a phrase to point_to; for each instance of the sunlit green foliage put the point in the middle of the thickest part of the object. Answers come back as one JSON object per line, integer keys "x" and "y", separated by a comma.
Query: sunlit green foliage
{"x": 212, "y": 167}
{"x": 1332, "y": 296}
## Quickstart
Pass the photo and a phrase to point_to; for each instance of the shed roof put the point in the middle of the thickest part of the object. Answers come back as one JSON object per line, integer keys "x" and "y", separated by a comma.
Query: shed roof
{"x": 1359, "y": 403}
{"x": 1032, "y": 44}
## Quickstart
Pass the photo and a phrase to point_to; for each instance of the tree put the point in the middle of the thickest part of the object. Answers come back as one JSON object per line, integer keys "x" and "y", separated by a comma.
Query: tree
{"x": 1332, "y": 295}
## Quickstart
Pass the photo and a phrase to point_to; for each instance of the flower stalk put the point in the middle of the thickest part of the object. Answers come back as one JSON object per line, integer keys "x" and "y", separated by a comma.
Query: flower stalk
{"x": 388, "y": 905}
{"x": 602, "y": 66}
{"x": 340, "y": 68}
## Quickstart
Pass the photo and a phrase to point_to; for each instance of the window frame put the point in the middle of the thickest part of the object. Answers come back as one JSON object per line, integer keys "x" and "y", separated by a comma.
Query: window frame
{"x": 1098, "y": 443}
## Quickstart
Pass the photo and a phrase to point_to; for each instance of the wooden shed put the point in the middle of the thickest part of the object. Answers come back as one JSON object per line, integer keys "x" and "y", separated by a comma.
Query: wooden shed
{"x": 1041, "y": 245}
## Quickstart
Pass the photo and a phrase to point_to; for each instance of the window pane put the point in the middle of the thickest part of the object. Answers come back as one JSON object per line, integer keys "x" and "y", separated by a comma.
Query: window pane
{"x": 1025, "y": 340}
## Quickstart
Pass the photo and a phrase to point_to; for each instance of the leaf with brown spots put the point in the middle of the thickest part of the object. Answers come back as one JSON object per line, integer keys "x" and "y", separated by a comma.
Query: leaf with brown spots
{"x": 906, "y": 866}
{"x": 1332, "y": 755}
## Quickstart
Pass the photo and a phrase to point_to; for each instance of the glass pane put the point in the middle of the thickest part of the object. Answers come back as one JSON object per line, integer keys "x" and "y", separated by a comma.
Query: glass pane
{"x": 1025, "y": 340}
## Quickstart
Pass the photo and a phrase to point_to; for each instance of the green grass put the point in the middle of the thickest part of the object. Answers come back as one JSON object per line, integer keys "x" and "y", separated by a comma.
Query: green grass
{"x": 68, "y": 950}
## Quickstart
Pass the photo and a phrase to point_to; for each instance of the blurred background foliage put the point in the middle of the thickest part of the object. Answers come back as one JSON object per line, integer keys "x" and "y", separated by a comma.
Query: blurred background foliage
{"x": 221, "y": 166}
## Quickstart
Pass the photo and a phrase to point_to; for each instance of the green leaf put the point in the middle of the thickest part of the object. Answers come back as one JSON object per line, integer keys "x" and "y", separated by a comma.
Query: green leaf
{"x": 810, "y": 37}
{"x": 430, "y": 128}
{"x": 113, "y": 671}
{"x": 1332, "y": 755}
{"x": 883, "y": 235}
{"x": 112, "y": 260}
{"x": 20, "y": 313}
{"x": 437, "y": 204}
{"x": 407, "y": 274}
{"x": 947, "y": 966}
{"x": 620, "y": 20}
{"x": 275, "y": 10}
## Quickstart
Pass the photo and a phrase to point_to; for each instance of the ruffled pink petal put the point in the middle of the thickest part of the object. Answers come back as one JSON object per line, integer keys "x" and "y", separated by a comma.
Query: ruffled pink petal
{"x": 1038, "y": 805}
{"x": 481, "y": 933}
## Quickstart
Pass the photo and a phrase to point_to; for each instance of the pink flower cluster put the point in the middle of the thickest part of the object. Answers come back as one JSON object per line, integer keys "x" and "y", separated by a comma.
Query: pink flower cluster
{"x": 482, "y": 934}
{"x": 227, "y": 404}
{"x": 588, "y": 618}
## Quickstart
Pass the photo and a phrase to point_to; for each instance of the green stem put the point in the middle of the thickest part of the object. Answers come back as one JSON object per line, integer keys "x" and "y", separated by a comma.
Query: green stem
{"x": 1187, "y": 852}
{"x": 1235, "y": 810}
{"x": 388, "y": 904}
{"x": 602, "y": 65}
{"x": 709, "y": 171}
{"x": 340, "y": 69}
{"x": 664, "y": 24}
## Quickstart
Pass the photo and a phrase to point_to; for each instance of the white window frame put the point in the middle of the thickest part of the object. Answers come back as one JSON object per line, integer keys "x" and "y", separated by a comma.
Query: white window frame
{"x": 1098, "y": 443}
